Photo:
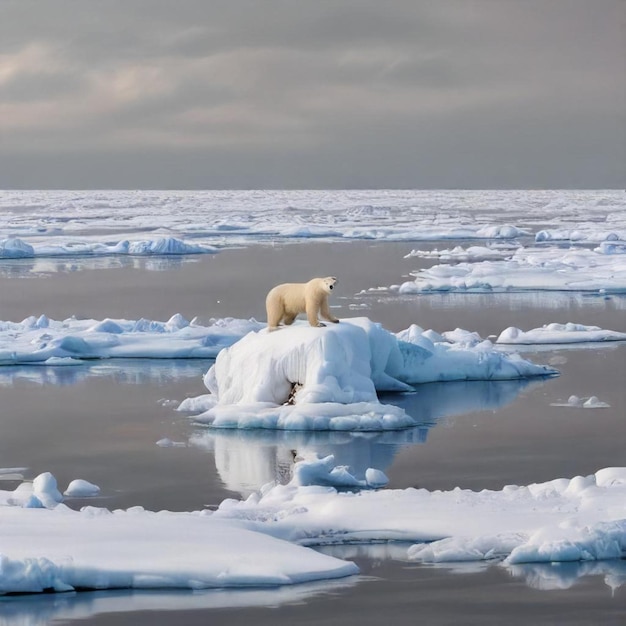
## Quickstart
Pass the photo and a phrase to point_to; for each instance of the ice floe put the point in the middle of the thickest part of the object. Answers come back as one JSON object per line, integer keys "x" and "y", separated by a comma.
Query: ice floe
{"x": 459, "y": 253}
{"x": 40, "y": 340}
{"x": 555, "y": 333}
{"x": 59, "y": 549}
{"x": 549, "y": 269}
{"x": 15, "y": 248}
{"x": 577, "y": 519}
{"x": 325, "y": 472}
{"x": 80, "y": 488}
{"x": 304, "y": 378}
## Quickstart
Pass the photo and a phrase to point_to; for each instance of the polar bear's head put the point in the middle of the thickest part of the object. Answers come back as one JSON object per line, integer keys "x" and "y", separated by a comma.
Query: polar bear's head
{"x": 329, "y": 283}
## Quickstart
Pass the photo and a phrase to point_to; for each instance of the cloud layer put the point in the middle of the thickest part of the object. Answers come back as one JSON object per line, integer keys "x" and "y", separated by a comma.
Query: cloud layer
{"x": 466, "y": 93}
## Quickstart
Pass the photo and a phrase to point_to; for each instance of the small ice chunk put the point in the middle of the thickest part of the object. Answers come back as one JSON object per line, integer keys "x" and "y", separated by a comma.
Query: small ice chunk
{"x": 46, "y": 491}
{"x": 375, "y": 478}
{"x": 166, "y": 442}
{"x": 594, "y": 403}
{"x": 80, "y": 488}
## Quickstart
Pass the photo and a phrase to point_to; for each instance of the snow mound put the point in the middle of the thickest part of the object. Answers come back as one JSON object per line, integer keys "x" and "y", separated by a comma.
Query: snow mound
{"x": 80, "y": 488}
{"x": 325, "y": 472}
{"x": 304, "y": 378}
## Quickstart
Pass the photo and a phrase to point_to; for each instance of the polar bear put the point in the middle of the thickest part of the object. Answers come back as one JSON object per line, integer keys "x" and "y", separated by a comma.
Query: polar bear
{"x": 285, "y": 301}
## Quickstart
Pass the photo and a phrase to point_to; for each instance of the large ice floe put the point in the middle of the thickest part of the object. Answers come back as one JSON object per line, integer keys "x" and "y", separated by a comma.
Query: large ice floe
{"x": 577, "y": 519}
{"x": 41, "y": 340}
{"x": 46, "y": 546}
{"x": 303, "y": 378}
{"x": 15, "y": 248}
{"x": 551, "y": 269}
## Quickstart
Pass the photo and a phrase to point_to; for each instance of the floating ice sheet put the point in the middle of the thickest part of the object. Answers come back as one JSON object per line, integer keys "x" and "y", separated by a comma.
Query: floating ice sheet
{"x": 550, "y": 269}
{"x": 49, "y": 342}
{"x": 577, "y": 519}
{"x": 555, "y": 333}
{"x": 61, "y": 550}
{"x": 58, "y": 549}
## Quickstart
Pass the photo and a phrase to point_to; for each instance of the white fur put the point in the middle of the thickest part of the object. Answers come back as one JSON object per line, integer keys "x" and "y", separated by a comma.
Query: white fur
{"x": 284, "y": 302}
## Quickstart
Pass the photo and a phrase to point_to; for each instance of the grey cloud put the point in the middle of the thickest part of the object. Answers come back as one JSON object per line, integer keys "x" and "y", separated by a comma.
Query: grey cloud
{"x": 400, "y": 93}
{"x": 28, "y": 87}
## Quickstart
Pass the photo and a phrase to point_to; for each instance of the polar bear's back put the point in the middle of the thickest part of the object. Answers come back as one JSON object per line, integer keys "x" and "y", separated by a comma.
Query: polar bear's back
{"x": 292, "y": 297}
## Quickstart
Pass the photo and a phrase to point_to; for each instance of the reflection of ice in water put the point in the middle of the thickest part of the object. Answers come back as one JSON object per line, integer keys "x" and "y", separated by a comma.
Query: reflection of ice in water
{"x": 541, "y": 576}
{"x": 123, "y": 371}
{"x": 515, "y": 301}
{"x": 548, "y": 576}
{"x": 433, "y": 401}
{"x": 20, "y": 268}
{"x": 248, "y": 459}
{"x": 42, "y": 609}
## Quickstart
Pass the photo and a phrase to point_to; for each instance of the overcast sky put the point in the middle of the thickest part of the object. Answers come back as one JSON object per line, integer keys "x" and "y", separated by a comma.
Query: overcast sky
{"x": 312, "y": 93}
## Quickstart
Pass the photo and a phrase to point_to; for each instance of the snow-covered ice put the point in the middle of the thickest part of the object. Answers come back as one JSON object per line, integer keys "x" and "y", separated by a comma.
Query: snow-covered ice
{"x": 459, "y": 253}
{"x": 577, "y": 519}
{"x": 551, "y": 269}
{"x": 303, "y": 378}
{"x": 61, "y": 549}
{"x": 15, "y": 248}
{"x": 40, "y": 340}
{"x": 325, "y": 472}
{"x": 80, "y": 488}
{"x": 555, "y": 333}
{"x": 563, "y": 520}
{"x": 95, "y": 222}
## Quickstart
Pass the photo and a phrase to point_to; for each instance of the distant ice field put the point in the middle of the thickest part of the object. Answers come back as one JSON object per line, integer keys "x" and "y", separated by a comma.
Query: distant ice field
{"x": 65, "y": 218}
{"x": 498, "y": 241}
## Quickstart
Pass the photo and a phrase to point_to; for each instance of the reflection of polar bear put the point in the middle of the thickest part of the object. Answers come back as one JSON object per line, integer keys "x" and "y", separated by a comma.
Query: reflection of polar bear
{"x": 285, "y": 301}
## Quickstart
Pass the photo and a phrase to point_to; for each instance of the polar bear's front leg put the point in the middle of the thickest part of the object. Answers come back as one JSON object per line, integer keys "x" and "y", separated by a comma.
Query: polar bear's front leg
{"x": 311, "y": 314}
{"x": 326, "y": 314}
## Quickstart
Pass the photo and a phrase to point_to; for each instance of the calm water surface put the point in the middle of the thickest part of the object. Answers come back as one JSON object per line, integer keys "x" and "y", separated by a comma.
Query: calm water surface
{"x": 101, "y": 422}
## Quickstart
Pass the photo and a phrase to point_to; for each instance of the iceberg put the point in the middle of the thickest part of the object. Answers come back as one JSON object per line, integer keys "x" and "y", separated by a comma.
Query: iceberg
{"x": 304, "y": 378}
